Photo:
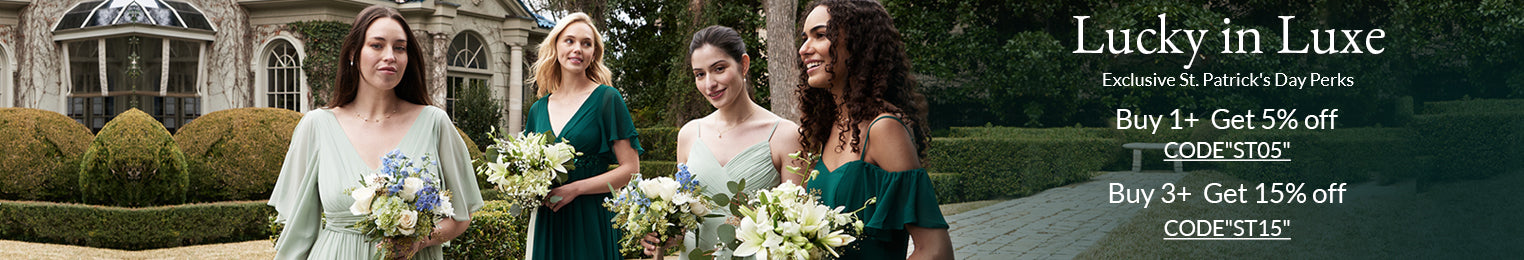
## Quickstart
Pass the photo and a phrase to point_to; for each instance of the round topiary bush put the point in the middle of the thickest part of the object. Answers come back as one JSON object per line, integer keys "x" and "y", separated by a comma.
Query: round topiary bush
{"x": 236, "y": 154}
{"x": 133, "y": 162}
{"x": 39, "y": 154}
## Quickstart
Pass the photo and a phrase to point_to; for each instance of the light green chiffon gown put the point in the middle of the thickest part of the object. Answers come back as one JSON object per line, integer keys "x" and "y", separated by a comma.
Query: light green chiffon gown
{"x": 321, "y": 163}
{"x": 754, "y": 164}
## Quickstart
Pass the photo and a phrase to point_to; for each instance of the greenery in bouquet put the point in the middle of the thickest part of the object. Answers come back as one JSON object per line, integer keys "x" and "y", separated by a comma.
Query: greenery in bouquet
{"x": 665, "y": 206}
{"x": 785, "y": 222}
{"x": 401, "y": 202}
{"x": 525, "y": 166}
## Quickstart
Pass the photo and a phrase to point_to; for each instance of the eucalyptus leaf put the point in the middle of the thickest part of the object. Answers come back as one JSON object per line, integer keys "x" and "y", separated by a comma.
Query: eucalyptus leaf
{"x": 727, "y": 234}
{"x": 735, "y": 187}
{"x": 700, "y": 254}
{"x": 721, "y": 199}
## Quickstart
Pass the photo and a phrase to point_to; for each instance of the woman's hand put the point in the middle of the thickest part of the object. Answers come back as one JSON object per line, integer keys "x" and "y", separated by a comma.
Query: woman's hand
{"x": 650, "y": 241}
{"x": 566, "y": 193}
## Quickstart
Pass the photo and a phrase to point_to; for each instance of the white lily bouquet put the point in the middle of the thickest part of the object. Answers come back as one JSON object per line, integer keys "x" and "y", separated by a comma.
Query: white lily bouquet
{"x": 785, "y": 222}
{"x": 400, "y": 203}
{"x": 662, "y": 205}
{"x": 525, "y": 166}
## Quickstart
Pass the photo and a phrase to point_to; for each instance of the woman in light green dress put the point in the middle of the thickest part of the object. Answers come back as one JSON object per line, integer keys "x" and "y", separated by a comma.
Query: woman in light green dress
{"x": 739, "y": 141}
{"x": 380, "y": 103}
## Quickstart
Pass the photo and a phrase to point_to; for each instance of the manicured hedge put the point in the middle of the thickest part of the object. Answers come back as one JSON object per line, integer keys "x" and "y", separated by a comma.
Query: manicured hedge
{"x": 134, "y": 228}
{"x": 236, "y": 154}
{"x": 39, "y": 155}
{"x": 1321, "y": 156}
{"x": 495, "y": 233}
{"x": 1474, "y": 106}
{"x": 658, "y": 168}
{"x": 1012, "y": 167}
{"x": 660, "y": 143}
{"x": 1471, "y": 145}
{"x": 133, "y": 162}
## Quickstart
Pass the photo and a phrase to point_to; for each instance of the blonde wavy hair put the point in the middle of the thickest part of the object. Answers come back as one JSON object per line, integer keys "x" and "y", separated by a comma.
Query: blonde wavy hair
{"x": 547, "y": 69}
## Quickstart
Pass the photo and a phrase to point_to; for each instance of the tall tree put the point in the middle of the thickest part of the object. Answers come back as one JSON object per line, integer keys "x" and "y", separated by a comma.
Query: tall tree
{"x": 783, "y": 63}
{"x": 597, "y": 9}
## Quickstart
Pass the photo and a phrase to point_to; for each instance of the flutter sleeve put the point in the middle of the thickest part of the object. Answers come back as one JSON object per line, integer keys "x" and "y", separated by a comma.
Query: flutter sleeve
{"x": 295, "y": 196}
{"x": 905, "y": 198}
{"x": 455, "y": 166}
{"x": 617, "y": 125}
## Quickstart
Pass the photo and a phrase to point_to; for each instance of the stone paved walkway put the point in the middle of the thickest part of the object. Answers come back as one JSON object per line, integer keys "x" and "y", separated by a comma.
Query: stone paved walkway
{"x": 1057, "y": 223}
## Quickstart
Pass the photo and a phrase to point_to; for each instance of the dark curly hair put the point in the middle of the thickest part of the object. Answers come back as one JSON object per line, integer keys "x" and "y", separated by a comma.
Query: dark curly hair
{"x": 878, "y": 78}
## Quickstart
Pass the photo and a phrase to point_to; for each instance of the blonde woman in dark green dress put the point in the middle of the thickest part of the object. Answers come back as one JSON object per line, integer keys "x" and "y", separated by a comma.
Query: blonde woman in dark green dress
{"x": 578, "y": 104}
{"x": 860, "y": 111}
{"x": 739, "y": 141}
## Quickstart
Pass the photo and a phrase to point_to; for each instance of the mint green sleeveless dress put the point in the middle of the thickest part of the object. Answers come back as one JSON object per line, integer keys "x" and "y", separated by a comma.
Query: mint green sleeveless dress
{"x": 583, "y": 228}
{"x": 754, "y": 164}
{"x": 321, "y": 163}
{"x": 904, "y": 198}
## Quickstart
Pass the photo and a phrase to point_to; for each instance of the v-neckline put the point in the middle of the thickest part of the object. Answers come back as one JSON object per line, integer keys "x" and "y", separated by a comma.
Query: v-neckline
{"x": 582, "y": 108}
{"x": 355, "y": 152}
{"x": 716, "y": 159}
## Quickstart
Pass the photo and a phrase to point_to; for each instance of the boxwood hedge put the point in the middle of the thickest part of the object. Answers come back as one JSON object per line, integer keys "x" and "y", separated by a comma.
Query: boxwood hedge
{"x": 39, "y": 155}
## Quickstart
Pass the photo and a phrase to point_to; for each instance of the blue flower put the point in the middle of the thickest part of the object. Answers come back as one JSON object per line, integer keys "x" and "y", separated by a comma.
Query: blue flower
{"x": 394, "y": 188}
{"x": 428, "y": 198}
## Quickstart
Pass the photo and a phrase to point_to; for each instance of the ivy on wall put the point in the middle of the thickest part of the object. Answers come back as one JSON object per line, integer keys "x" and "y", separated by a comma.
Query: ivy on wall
{"x": 323, "y": 40}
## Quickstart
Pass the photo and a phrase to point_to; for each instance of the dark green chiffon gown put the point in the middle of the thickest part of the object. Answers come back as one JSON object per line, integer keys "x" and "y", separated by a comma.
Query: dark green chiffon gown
{"x": 582, "y": 229}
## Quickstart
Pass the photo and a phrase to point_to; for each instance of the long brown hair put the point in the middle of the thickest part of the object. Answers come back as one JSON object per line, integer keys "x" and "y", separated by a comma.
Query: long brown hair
{"x": 877, "y": 75}
{"x": 413, "y": 87}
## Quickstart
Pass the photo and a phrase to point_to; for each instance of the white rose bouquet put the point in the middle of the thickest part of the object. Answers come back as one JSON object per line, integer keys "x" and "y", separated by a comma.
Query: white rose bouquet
{"x": 661, "y": 205}
{"x": 400, "y": 203}
{"x": 525, "y": 166}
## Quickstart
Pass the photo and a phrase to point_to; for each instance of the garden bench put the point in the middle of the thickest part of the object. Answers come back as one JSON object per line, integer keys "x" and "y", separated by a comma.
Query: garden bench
{"x": 1137, "y": 154}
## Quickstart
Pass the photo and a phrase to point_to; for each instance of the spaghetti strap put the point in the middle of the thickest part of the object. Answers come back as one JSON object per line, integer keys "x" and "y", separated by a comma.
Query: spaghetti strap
{"x": 864, "y": 154}
{"x": 770, "y": 134}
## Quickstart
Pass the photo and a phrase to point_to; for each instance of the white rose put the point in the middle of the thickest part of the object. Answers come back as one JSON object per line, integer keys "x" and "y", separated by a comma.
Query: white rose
{"x": 662, "y": 187}
{"x": 410, "y": 187}
{"x": 363, "y": 197}
{"x": 698, "y": 207}
{"x": 407, "y": 221}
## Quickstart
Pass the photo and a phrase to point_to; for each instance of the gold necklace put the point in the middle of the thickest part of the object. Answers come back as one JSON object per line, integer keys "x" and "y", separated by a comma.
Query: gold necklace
{"x": 721, "y": 134}
{"x": 384, "y": 117}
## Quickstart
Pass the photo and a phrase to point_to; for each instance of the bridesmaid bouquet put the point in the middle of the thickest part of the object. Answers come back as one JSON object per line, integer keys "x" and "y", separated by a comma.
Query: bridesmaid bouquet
{"x": 786, "y": 223}
{"x": 523, "y": 167}
{"x": 661, "y": 205}
{"x": 400, "y": 204}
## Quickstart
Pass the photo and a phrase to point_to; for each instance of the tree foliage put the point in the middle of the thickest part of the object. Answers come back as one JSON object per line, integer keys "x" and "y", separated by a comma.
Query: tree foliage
{"x": 648, "y": 53}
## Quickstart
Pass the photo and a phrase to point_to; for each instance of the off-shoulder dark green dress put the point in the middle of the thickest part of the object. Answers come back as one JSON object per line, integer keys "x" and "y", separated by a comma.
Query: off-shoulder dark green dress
{"x": 904, "y": 198}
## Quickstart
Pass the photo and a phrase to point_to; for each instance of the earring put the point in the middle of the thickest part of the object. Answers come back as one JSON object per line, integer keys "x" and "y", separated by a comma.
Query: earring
{"x": 351, "y": 63}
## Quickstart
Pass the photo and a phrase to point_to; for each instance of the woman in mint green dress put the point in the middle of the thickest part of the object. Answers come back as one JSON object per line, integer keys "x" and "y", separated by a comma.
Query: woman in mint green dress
{"x": 860, "y": 111}
{"x": 579, "y": 105}
{"x": 739, "y": 141}
{"x": 380, "y": 103}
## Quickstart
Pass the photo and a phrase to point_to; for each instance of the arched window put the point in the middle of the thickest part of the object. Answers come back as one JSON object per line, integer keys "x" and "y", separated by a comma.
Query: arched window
{"x": 283, "y": 77}
{"x": 468, "y": 67}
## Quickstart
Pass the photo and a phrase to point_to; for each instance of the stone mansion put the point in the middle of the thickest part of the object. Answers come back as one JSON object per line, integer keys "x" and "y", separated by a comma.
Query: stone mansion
{"x": 179, "y": 59}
